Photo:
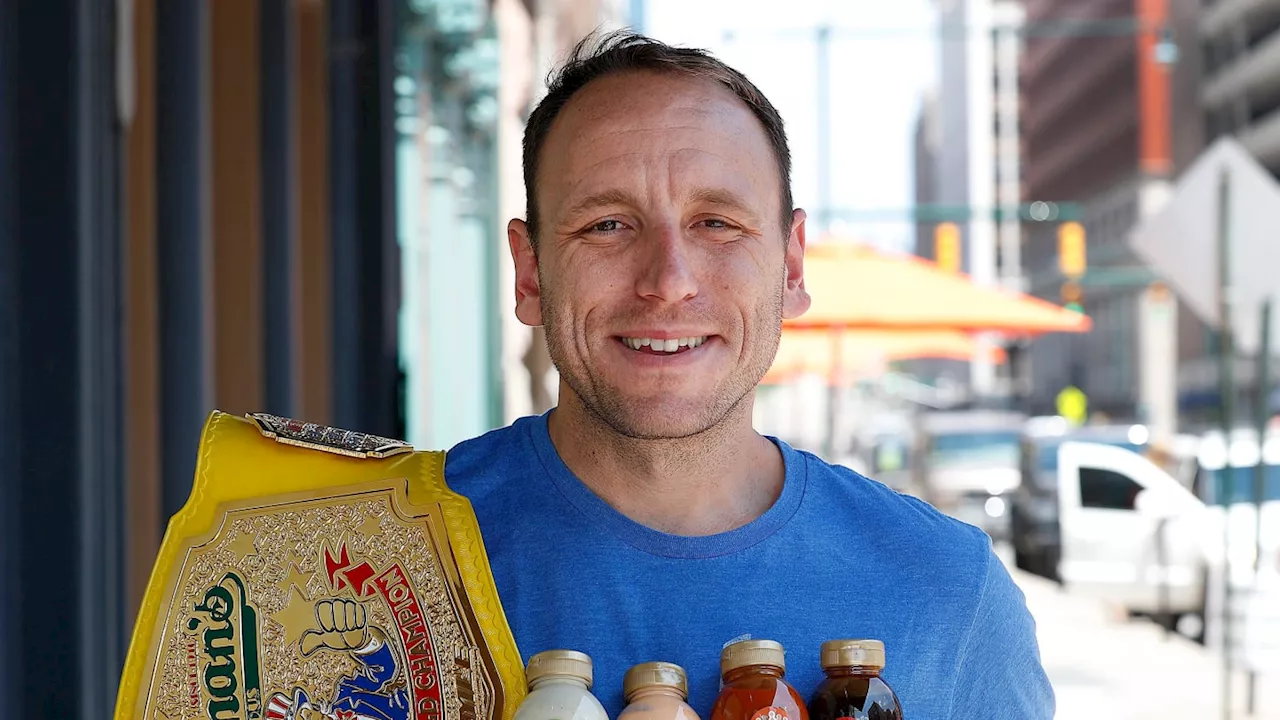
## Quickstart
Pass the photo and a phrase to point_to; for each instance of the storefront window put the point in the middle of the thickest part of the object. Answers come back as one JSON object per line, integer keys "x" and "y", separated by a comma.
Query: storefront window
{"x": 446, "y": 84}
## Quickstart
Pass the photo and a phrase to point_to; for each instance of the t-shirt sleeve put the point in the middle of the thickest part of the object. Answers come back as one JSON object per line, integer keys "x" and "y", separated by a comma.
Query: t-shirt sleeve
{"x": 999, "y": 674}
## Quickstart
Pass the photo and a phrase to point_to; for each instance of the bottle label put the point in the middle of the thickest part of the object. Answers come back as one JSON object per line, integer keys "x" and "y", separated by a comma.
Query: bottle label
{"x": 773, "y": 712}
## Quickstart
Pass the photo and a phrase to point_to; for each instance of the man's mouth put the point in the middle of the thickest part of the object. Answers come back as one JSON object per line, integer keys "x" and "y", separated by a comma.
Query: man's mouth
{"x": 669, "y": 346}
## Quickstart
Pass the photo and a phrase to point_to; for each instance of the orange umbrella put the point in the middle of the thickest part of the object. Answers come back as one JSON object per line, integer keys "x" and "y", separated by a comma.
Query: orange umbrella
{"x": 857, "y": 287}
{"x": 832, "y": 354}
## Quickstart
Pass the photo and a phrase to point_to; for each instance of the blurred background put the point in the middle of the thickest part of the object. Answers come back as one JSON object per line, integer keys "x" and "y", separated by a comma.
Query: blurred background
{"x": 1044, "y": 242}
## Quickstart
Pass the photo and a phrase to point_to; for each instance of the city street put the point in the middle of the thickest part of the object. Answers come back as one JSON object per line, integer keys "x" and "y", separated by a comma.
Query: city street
{"x": 1103, "y": 664}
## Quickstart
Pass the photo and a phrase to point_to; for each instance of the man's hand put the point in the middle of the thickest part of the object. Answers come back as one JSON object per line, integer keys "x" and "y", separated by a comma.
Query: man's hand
{"x": 342, "y": 626}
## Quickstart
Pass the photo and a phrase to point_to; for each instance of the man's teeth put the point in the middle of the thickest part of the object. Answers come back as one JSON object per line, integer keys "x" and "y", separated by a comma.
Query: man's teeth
{"x": 670, "y": 345}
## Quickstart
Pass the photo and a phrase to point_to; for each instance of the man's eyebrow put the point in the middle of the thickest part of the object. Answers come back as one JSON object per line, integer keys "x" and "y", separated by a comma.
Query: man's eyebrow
{"x": 711, "y": 196}
{"x": 601, "y": 199}
{"x": 725, "y": 198}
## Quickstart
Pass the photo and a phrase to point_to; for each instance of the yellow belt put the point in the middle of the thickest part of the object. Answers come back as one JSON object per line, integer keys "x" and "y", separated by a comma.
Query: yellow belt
{"x": 314, "y": 572}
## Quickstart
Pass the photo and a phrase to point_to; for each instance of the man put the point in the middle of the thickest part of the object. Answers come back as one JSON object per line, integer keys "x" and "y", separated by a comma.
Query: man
{"x": 644, "y": 518}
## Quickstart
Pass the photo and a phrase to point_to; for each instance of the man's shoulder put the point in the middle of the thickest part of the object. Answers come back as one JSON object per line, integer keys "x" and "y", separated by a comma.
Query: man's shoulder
{"x": 484, "y": 463}
{"x": 900, "y": 525}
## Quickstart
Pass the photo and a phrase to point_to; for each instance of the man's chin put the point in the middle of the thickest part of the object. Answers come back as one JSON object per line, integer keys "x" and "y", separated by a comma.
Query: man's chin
{"x": 662, "y": 420}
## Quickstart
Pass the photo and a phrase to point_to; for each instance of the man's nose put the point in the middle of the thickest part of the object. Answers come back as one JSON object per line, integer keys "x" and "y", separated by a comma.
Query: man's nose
{"x": 667, "y": 272}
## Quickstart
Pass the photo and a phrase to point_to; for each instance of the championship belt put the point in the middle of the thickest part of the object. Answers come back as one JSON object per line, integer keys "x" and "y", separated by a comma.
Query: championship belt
{"x": 319, "y": 573}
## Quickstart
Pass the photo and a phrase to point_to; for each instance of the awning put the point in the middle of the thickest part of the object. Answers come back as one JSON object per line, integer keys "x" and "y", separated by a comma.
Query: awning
{"x": 857, "y": 287}
{"x": 862, "y": 352}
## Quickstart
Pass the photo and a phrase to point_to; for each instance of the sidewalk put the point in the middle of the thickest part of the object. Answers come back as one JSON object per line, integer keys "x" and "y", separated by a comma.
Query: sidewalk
{"x": 1102, "y": 664}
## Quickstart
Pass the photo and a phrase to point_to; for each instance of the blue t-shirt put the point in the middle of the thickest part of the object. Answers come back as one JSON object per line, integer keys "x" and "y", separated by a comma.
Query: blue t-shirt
{"x": 836, "y": 556}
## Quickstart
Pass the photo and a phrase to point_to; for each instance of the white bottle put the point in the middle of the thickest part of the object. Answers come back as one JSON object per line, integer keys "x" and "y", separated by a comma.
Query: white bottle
{"x": 560, "y": 688}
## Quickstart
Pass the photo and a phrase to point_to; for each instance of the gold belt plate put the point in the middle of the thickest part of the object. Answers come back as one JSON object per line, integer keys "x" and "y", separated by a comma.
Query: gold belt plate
{"x": 302, "y": 582}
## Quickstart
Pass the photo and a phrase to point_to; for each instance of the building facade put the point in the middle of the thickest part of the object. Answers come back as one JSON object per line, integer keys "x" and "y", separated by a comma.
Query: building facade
{"x": 968, "y": 156}
{"x": 535, "y": 36}
{"x": 196, "y": 212}
{"x": 1240, "y": 51}
{"x": 295, "y": 206}
{"x": 1100, "y": 95}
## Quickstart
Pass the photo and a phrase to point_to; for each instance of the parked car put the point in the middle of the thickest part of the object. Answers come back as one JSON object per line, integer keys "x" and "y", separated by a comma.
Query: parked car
{"x": 965, "y": 463}
{"x": 1033, "y": 511}
{"x": 1134, "y": 534}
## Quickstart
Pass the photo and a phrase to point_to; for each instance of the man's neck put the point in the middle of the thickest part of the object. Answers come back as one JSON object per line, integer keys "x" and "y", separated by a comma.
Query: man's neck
{"x": 709, "y": 483}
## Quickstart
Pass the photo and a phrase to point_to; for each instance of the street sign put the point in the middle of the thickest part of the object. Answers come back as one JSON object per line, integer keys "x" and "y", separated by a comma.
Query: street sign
{"x": 1073, "y": 405}
{"x": 1180, "y": 241}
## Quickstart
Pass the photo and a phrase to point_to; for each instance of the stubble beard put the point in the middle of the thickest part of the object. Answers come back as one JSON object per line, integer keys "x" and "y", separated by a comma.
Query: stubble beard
{"x": 607, "y": 404}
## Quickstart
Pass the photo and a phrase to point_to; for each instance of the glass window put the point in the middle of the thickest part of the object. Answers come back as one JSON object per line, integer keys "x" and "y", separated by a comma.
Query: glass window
{"x": 999, "y": 448}
{"x": 891, "y": 455}
{"x": 1215, "y": 492}
{"x": 1047, "y": 454}
{"x": 1107, "y": 489}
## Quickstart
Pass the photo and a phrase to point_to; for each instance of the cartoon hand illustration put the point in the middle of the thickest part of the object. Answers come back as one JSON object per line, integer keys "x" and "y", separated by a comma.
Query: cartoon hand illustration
{"x": 342, "y": 626}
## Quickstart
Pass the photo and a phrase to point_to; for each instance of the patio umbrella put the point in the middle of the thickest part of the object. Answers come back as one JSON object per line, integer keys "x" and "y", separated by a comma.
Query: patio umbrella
{"x": 857, "y": 287}
{"x": 819, "y": 352}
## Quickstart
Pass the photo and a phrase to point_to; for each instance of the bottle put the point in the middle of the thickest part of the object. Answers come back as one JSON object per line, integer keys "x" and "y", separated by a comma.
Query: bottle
{"x": 853, "y": 689}
{"x": 560, "y": 688}
{"x": 656, "y": 691}
{"x": 754, "y": 689}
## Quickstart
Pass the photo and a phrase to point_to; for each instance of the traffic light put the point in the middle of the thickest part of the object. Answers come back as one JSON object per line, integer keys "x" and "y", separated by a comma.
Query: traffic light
{"x": 946, "y": 246}
{"x": 1072, "y": 296}
{"x": 1071, "y": 250}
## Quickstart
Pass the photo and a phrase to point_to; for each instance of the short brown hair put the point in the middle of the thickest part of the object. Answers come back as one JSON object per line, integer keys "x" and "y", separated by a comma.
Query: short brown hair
{"x": 597, "y": 56}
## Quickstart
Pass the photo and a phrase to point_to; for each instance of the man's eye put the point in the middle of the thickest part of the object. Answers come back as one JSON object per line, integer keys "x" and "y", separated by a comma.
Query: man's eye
{"x": 607, "y": 226}
{"x": 715, "y": 224}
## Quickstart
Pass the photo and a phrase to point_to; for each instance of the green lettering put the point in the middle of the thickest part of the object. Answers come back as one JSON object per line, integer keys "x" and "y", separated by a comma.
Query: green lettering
{"x": 227, "y": 648}
{"x": 218, "y": 603}
{"x": 220, "y": 679}
{"x": 228, "y": 709}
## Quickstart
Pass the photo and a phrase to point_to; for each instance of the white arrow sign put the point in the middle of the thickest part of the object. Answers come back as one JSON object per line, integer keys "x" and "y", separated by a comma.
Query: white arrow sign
{"x": 1180, "y": 242}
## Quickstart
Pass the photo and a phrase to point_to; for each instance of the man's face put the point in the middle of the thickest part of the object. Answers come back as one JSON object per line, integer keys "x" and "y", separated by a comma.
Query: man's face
{"x": 663, "y": 272}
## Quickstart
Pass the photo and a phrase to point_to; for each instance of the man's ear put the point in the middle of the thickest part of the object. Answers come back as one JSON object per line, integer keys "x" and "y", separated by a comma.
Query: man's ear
{"x": 528, "y": 290}
{"x": 795, "y": 299}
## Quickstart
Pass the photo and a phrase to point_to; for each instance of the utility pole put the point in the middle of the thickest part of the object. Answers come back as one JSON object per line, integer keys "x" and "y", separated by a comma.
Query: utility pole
{"x": 824, "y": 128}
{"x": 1262, "y": 416}
{"x": 1226, "y": 359}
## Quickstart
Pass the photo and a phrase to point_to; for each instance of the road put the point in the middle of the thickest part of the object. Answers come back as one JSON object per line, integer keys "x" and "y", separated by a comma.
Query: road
{"x": 1105, "y": 665}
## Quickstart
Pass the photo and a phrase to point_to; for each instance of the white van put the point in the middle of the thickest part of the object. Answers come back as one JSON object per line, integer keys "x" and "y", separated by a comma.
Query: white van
{"x": 1117, "y": 507}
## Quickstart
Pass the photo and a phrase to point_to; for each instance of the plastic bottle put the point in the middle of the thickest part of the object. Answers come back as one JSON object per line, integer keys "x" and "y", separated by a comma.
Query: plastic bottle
{"x": 853, "y": 688}
{"x": 560, "y": 688}
{"x": 754, "y": 689}
{"x": 656, "y": 691}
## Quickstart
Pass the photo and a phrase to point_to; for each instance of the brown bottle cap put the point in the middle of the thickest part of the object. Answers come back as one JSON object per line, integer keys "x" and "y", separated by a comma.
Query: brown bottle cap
{"x": 850, "y": 653}
{"x": 559, "y": 663}
{"x": 655, "y": 674}
{"x": 752, "y": 652}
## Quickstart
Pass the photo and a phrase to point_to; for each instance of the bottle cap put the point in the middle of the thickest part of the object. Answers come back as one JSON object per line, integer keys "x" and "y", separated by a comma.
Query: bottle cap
{"x": 752, "y": 652}
{"x": 559, "y": 663}
{"x": 655, "y": 674}
{"x": 848, "y": 653}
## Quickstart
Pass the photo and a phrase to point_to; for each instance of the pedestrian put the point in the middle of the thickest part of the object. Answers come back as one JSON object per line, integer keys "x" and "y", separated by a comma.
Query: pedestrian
{"x": 644, "y": 518}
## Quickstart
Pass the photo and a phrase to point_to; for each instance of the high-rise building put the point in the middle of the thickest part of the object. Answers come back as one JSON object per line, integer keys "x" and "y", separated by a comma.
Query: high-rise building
{"x": 968, "y": 150}
{"x": 927, "y": 145}
{"x": 1100, "y": 91}
{"x": 1240, "y": 44}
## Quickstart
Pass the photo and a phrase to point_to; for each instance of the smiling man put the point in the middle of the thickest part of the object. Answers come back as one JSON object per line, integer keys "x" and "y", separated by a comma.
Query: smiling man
{"x": 644, "y": 518}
